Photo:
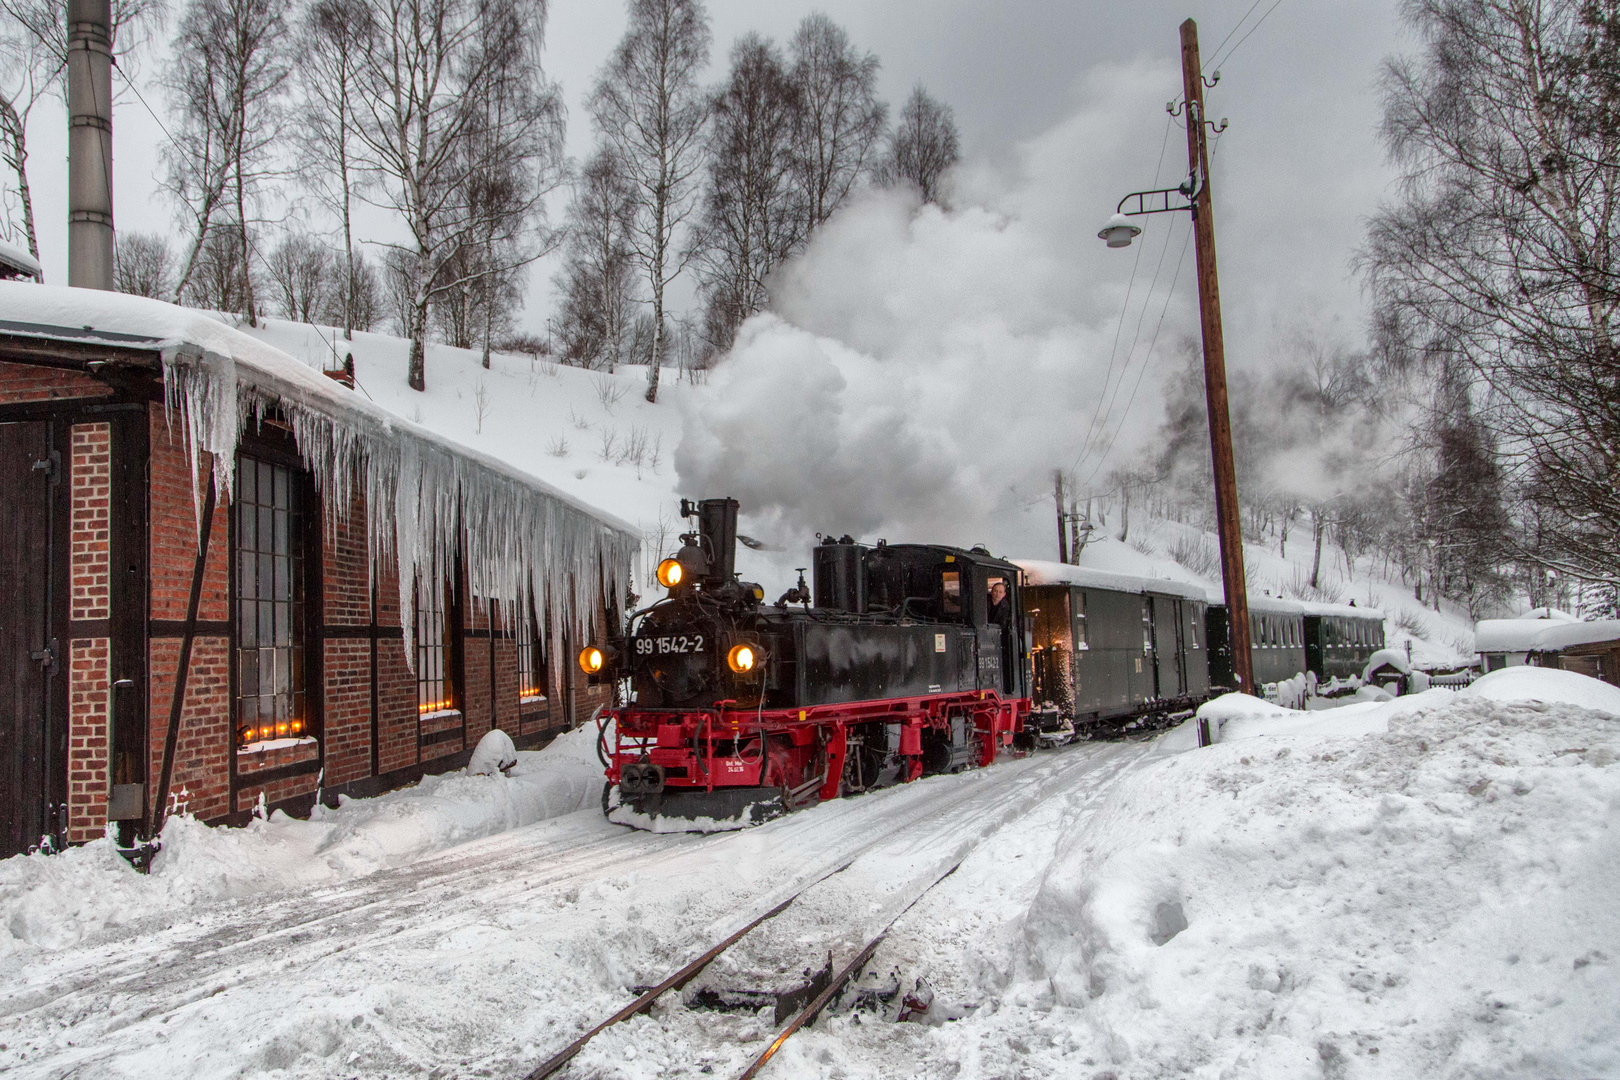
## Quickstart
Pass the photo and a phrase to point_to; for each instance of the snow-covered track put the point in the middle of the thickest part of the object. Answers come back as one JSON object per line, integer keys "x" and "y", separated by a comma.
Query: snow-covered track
{"x": 899, "y": 856}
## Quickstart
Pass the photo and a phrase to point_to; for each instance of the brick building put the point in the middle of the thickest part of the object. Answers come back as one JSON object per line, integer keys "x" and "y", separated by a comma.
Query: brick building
{"x": 317, "y": 597}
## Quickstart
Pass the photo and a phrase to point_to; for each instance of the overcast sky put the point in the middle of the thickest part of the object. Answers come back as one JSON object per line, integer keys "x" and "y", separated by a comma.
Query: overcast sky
{"x": 1297, "y": 171}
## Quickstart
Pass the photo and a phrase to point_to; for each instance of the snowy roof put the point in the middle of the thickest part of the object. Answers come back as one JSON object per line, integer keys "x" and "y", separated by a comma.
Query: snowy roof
{"x": 1541, "y": 635}
{"x": 425, "y": 492}
{"x": 15, "y": 259}
{"x": 1041, "y": 572}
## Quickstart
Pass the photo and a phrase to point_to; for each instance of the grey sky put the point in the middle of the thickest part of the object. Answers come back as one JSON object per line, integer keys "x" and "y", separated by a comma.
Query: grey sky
{"x": 1296, "y": 173}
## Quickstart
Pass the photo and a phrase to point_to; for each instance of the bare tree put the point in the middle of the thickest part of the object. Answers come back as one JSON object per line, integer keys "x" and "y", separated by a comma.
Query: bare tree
{"x": 356, "y": 296}
{"x": 595, "y": 280}
{"x": 923, "y": 146}
{"x": 33, "y": 58}
{"x": 840, "y": 116}
{"x": 754, "y": 215}
{"x": 650, "y": 111}
{"x": 452, "y": 100}
{"x": 328, "y": 41}
{"x": 1500, "y": 253}
{"x": 227, "y": 97}
{"x": 220, "y": 274}
{"x": 143, "y": 265}
{"x": 303, "y": 276}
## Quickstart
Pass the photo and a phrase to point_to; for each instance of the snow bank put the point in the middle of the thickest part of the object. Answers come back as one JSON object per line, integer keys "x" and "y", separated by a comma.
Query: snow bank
{"x": 59, "y": 900}
{"x": 1546, "y": 685}
{"x": 1434, "y": 899}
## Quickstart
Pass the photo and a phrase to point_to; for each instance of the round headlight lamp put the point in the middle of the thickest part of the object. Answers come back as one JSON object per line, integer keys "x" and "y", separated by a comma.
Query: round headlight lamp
{"x": 671, "y": 573}
{"x": 591, "y": 660}
{"x": 743, "y": 658}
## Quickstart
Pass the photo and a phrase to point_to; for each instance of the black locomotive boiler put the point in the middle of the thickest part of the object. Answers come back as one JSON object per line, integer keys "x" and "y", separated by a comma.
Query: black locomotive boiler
{"x": 905, "y": 660}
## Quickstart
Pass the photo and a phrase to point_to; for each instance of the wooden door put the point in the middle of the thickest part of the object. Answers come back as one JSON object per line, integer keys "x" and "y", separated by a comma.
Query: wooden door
{"x": 31, "y": 752}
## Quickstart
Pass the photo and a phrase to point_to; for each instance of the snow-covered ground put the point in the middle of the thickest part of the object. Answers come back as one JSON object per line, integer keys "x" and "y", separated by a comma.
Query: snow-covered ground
{"x": 1416, "y": 888}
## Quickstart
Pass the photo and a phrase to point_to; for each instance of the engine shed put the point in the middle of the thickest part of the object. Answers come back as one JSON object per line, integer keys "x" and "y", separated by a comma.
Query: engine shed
{"x": 233, "y": 582}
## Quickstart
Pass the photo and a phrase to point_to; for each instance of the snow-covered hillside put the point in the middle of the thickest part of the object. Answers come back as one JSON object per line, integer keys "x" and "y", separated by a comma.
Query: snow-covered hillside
{"x": 593, "y": 435}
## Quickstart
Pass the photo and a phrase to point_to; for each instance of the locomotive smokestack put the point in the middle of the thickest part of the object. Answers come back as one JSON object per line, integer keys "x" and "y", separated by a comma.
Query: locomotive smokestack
{"x": 89, "y": 72}
{"x": 717, "y": 528}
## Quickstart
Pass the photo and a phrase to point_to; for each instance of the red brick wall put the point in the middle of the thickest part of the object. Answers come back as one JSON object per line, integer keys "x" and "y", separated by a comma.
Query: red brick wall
{"x": 25, "y": 382}
{"x": 346, "y": 661}
{"x": 91, "y": 488}
{"x": 201, "y": 779}
{"x": 202, "y": 763}
{"x": 89, "y": 688}
{"x": 89, "y": 660}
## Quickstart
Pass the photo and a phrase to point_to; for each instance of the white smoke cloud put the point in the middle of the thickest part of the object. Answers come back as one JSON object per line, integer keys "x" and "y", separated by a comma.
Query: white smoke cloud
{"x": 925, "y": 370}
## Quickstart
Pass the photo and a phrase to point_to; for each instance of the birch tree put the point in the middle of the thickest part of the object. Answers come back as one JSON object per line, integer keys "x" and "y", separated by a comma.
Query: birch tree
{"x": 329, "y": 39}
{"x": 426, "y": 78}
{"x": 227, "y": 96}
{"x": 595, "y": 282}
{"x": 650, "y": 111}
{"x": 923, "y": 146}
{"x": 841, "y": 119}
{"x": 754, "y": 214}
{"x": 1501, "y": 251}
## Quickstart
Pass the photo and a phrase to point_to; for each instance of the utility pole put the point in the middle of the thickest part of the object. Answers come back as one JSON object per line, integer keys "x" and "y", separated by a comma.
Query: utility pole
{"x": 1063, "y": 537}
{"x": 1227, "y": 513}
{"x": 89, "y": 72}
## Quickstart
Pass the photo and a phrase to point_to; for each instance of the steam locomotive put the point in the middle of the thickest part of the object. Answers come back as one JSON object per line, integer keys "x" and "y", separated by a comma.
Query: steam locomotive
{"x": 905, "y": 660}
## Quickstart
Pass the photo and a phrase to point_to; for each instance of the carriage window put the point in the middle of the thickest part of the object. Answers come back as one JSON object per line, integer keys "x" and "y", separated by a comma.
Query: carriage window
{"x": 1147, "y": 625}
{"x": 269, "y": 520}
{"x": 434, "y": 692}
{"x": 951, "y": 592}
{"x": 1081, "y": 640}
{"x": 531, "y": 657}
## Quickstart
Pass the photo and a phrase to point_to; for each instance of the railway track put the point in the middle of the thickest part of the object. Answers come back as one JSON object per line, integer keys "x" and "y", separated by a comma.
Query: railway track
{"x": 937, "y": 830}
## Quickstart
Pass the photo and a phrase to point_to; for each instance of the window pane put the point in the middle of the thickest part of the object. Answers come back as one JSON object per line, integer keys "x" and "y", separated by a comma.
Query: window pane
{"x": 269, "y": 581}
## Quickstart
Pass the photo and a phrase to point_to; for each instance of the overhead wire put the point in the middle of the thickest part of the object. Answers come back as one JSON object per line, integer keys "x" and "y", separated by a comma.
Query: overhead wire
{"x": 1227, "y": 58}
{"x": 1235, "y": 28}
{"x": 1108, "y": 375}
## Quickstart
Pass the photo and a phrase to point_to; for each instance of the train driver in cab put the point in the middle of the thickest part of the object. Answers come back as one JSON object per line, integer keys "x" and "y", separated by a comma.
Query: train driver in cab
{"x": 999, "y": 610}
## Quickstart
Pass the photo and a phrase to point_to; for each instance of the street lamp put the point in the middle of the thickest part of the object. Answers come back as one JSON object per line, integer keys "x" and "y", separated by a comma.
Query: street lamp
{"x": 1119, "y": 232}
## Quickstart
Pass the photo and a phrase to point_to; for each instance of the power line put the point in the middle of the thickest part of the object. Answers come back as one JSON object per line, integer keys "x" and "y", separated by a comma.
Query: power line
{"x": 1147, "y": 359}
{"x": 1227, "y": 58}
{"x": 1235, "y": 28}
{"x": 1119, "y": 325}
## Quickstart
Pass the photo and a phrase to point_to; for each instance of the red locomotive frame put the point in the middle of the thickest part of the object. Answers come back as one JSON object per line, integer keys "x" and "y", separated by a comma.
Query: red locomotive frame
{"x": 803, "y": 746}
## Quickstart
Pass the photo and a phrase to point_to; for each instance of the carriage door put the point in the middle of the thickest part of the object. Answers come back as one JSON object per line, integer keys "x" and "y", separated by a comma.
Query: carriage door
{"x": 32, "y": 749}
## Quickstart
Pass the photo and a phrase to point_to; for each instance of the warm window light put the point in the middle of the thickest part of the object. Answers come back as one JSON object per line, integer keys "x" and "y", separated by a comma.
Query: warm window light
{"x": 434, "y": 706}
{"x": 742, "y": 658}
{"x": 670, "y": 573}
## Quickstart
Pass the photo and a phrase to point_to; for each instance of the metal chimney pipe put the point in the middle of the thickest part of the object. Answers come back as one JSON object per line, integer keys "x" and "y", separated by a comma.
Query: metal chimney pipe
{"x": 89, "y": 72}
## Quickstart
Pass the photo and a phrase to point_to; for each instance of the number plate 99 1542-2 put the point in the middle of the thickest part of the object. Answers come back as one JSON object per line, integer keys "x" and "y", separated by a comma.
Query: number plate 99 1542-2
{"x": 672, "y": 643}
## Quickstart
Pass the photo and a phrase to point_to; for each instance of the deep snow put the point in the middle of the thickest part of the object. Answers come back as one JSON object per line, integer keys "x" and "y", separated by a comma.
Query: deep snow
{"x": 1422, "y": 887}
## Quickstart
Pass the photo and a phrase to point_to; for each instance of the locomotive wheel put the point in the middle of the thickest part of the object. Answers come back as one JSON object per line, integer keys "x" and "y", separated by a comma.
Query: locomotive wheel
{"x": 607, "y": 790}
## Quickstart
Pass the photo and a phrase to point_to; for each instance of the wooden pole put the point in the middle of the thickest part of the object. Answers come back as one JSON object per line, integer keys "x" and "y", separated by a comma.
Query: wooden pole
{"x": 1063, "y": 537}
{"x": 1220, "y": 423}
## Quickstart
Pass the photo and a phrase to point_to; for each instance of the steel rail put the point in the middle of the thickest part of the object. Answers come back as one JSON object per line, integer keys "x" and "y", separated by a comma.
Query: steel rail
{"x": 812, "y": 1010}
{"x": 673, "y": 982}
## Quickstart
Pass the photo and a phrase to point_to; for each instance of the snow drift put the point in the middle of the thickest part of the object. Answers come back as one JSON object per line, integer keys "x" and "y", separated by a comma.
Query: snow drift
{"x": 53, "y": 901}
{"x": 1432, "y": 900}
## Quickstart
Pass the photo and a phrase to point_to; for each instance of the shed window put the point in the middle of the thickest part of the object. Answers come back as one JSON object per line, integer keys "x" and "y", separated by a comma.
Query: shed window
{"x": 268, "y": 551}
{"x": 434, "y": 692}
{"x": 531, "y": 657}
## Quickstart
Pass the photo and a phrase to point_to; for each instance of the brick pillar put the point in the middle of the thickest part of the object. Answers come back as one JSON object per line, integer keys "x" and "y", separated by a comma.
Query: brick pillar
{"x": 89, "y": 658}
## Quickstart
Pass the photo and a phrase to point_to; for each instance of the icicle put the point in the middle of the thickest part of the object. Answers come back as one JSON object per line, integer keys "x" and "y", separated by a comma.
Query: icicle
{"x": 424, "y": 500}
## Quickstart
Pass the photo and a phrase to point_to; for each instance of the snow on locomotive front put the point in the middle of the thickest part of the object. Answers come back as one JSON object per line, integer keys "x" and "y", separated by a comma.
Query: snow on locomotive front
{"x": 911, "y": 659}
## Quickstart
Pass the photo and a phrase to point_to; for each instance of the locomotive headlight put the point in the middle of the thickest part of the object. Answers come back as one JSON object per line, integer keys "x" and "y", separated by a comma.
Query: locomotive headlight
{"x": 742, "y": 658}
{"x": 671, "y": 573}
{"x": 591, "y": 660}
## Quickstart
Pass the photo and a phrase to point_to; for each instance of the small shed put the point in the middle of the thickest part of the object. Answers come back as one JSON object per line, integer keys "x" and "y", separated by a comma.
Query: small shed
{"x": 1551, "y": 639}
{"x": 231, "y": 582}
